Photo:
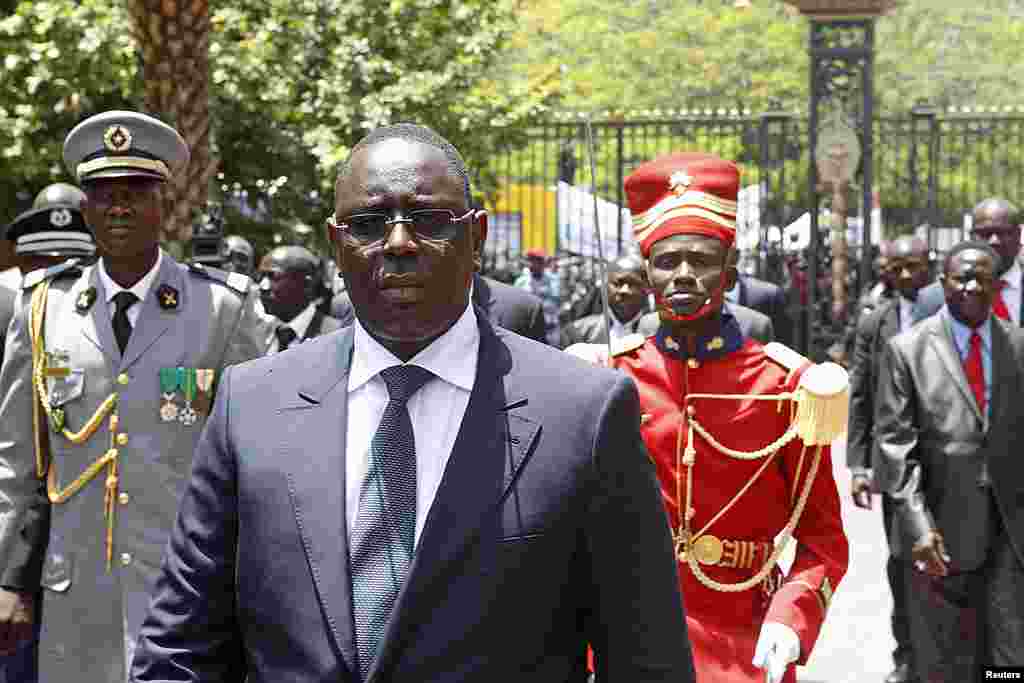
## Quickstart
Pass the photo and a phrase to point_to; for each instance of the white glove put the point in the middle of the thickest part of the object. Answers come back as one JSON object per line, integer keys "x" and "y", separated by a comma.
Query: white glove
{"x": 592, "y": 353}
{"x": 777, "y": 647}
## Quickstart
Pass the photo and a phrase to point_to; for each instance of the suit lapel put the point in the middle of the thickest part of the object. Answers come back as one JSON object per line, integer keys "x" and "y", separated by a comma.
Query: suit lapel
{"x": 319, "y": 407}
{"x": 153, "y": 321}
{"x": 313, "y": 329}
{"x": 890, "y": 326}
{"x": 494, "y": 442}
{"x": 945, "y": 347}
{"x": 1002, "y": 370}
{"x": 96, "y": 324}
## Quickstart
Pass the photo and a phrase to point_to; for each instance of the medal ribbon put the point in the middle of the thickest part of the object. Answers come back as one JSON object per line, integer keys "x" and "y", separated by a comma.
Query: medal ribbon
{"x": 169, "y": 380}
{"x": 188, "y": 383}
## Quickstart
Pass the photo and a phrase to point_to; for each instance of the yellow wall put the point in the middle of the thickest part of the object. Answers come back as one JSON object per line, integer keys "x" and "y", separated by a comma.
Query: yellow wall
{"x": 536, "y": 205}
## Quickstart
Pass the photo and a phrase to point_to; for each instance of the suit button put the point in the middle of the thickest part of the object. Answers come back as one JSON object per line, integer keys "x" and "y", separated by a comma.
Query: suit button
{"x": 126, "y": 559}
{"x": 122, "y": 439}
{"x": 123, "y": 498}
{"x": 123, "y": 379}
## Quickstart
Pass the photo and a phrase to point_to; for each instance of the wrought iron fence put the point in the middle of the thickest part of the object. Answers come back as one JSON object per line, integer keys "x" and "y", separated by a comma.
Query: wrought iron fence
{"x": 930, "y": 169}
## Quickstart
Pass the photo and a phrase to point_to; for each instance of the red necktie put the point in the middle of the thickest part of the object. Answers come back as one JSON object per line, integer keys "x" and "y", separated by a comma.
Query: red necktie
{"x": 975, "y": 371}
{"x": 999, "y": 303}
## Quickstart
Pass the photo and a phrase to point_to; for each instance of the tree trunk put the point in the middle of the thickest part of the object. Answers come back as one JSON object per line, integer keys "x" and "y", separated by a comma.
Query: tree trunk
{"x": 174, "y": 38}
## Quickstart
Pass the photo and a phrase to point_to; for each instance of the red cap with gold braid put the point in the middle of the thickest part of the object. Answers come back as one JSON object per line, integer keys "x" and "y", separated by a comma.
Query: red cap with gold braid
{"x": 689, "y": 192}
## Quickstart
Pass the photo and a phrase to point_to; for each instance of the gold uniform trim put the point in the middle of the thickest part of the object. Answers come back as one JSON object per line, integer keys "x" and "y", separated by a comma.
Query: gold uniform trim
{"x": 689, "y": 198}
{"x": 641, "y": 235}
{"x": 102, "y": 163}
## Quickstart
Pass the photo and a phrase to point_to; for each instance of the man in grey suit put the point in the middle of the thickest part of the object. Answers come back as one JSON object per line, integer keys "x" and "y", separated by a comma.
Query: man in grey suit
{"x": 907, "y": 270}
{"x": 948, "y": 427}
{"x": 95, "y": 455}
{"x": 627, "y": 303}
{"x": 421, "y": 496}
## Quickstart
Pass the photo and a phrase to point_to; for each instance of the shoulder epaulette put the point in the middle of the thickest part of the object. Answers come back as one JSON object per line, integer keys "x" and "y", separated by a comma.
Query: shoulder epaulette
{"x": 789, "y": 359}
{"x": 631, "y": 342}
{"x": 236, "y": 281}
{"x": 67, "y": 268}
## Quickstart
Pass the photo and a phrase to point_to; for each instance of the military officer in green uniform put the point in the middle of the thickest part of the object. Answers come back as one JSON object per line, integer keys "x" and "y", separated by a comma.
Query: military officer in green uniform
{"x": 108, "y": 377}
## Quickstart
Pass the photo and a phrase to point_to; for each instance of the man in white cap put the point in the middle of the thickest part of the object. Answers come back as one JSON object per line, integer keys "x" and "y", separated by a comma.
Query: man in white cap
{"x": 108, "y": 378}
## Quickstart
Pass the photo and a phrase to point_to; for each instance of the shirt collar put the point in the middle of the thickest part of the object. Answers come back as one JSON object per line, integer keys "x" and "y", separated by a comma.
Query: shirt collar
{"x": 140, "y": 289}
{"x": 452, "y": 356}
{"x": 728, "y": 340}
{"x": 300, "y": 323}
{"x": 962, "y": 333}
{"x": 1012, "y": 276}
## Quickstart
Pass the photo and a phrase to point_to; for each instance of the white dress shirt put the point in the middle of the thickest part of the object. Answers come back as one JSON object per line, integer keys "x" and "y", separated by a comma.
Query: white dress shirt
{"x": 436, "y": 410}
{"x": 140, "y": 289}
{"x": 1012, "y": 291}
{"x": 906, "y": 313}
{"x": 618, "y": 330}
{"x": 299, "y": 324}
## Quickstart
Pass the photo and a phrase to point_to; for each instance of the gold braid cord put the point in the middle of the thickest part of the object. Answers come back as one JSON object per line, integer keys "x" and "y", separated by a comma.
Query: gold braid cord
{"x": 44, "y": 465}
{"x": 768, "y": 453}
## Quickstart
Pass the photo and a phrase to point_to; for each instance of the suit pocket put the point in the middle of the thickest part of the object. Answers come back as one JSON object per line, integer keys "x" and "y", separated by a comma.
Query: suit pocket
{"x": 520, "y": 538}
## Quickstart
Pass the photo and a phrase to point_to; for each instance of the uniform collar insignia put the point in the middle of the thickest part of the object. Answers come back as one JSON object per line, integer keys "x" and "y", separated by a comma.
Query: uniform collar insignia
{"x": 167, "y": 296}
{"x": 85, "y": 300}
{"x": 726, "y": 341}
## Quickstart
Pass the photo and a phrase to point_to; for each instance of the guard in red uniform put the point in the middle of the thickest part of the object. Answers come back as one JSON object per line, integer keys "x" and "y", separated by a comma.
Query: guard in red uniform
{"x": 739, "y": 432}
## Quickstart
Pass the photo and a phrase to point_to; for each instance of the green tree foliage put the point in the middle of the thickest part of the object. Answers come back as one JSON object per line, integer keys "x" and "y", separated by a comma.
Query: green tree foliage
{"x": 294, "y": 84}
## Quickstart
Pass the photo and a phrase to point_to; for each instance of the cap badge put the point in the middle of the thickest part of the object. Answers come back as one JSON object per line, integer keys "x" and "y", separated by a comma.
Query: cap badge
{"x": 117, "y": 138}
{"x": 85, "y": 300}
{"x": 168, "y": 297}
{"x": 679, "y": 181}
{"x": 60, "y": 218}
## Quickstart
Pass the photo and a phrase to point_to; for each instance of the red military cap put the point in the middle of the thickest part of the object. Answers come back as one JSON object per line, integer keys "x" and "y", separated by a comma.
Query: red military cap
{"x": 689, "y": 192}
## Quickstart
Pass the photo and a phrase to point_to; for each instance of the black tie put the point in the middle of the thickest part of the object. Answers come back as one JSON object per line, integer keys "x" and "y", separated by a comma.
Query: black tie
{"x": 122, "y": 326}
{"x": 285, "y": 336}
{"x": 384, "y": 534}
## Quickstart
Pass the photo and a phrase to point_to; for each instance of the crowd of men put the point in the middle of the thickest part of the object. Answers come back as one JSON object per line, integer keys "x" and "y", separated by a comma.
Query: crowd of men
{"x": 428, "y": 474}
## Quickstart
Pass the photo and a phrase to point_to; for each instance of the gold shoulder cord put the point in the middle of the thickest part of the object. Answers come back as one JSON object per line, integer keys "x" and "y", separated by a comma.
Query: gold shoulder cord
{"x": 814, "y": 421}
{"x": 44, "y": 465}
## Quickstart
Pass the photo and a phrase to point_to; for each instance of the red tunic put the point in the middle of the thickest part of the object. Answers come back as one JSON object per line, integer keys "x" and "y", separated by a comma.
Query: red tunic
{"x": 723, "y": 627}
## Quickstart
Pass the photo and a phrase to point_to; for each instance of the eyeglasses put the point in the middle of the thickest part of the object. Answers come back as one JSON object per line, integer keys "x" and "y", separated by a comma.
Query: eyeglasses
{"x": 428, "y": 224}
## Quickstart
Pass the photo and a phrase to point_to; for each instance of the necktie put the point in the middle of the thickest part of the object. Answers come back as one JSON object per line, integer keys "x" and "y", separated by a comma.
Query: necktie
{"x": 384, "y": 534}
{"x": 122, "y": 326}
{"x": 285, "y": 336}
{"x": 999, "y": 303}
{"x": 975, "y": 371}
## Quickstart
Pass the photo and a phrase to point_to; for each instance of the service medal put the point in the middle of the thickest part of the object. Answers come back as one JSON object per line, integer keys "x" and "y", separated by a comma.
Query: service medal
{"x": 168, "y": 390}
{"x": 708, "y": 549}
{"x": 187, "y": 376}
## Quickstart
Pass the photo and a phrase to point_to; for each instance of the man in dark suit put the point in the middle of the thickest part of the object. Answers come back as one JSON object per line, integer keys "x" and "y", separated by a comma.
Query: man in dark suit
{"x": 947, "y": 429}
{"x": 997, "y": 222}
{"x": 764, "y": 297}
{"x": 627, "y": 302}
{"x": 289, "y": 286}
{"x": 421, "y": 496}
{"x": 506, "y": 306}
{"x": 907, "y": 270}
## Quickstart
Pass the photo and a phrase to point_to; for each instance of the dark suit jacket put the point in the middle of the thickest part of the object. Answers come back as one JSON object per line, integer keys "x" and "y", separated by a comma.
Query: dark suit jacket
{"x": 752, "y": 324}
{"x": 510, "y": 307}
{"x": 547, "y": 533}
{"x": 770, "y": 300}
{"x": 506, "y": 306}
{"x": 874, "y": 331}
{"x": 935, "y": 452}
{"x": 321, "y": 324}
